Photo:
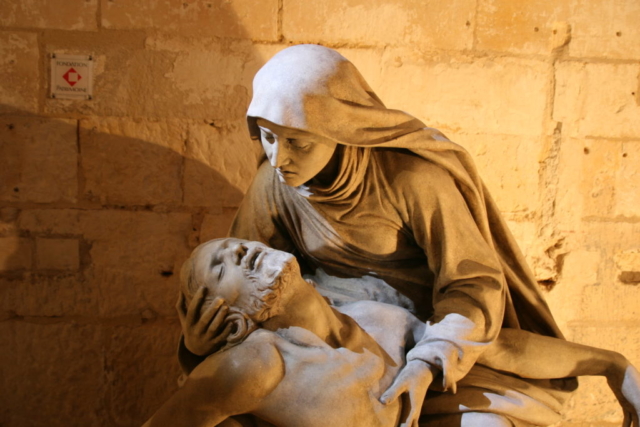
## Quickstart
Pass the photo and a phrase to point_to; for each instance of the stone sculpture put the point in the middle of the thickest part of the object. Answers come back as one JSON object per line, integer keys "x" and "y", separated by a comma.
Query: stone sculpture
{"x": 293, "y": 360}
{"x": 359, "y": 190}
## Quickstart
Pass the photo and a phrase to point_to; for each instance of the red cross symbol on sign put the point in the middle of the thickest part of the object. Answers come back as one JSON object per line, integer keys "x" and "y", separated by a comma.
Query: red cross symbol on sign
{"x": 71, "y": 76}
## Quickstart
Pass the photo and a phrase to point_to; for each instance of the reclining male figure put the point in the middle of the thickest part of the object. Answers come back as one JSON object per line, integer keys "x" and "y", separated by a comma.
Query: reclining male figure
{"x": 294, "y": 360}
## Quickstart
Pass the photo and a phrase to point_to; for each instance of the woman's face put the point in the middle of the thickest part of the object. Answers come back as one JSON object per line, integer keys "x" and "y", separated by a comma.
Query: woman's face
{"x": 297, "y": 156}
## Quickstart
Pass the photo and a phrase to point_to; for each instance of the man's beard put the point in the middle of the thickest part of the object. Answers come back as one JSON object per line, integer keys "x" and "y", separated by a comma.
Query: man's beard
{"x": 269, "y": 284}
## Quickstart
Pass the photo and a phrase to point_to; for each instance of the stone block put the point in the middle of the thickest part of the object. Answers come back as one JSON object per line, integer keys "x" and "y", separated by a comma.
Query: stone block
{"x": 206, "y": 77}
{"x": 135, "y": 259}
{"x": 579, "y": 269}
{"x": 219, "y": 165}
{"x": 628, "y": 180}
{"x": 50, "y": 296}
{"x": 214, "y": 18}
{"x": 15, "y": 253}
{"x": 505, "y": 96}
{"x": 610, "y": 173}
{"x": 597, "y": 99}
{"x": 601, "y": 163}
{"x": 57, "y": 254}
{"x": 160, "y": 76}
{"x": 142, "y": 370}
{"x": 50, "y": 221}
{"x": 610, "y": 237}
{"x": 8, "y": 216}
{"x": 595, "y": 29}
{"x": 530, "y": 27}
{"x": 606, "y": 29}
{"x": 430, "y": 25}
{"x": 57, "y": 14}
{"x": 19, "y": 71}
{"x": 597, "y": 178}
{"x": 128, "y": 162}
{"x": 509, "y": 167}
{"x": 216, "y": 226}
{"x": 51, "y": 374}
{"x": 569, "y": 193}
{"x": 41, "y": 159}
{"x": 609, "y": 301}
{"x": 628, "y": 266}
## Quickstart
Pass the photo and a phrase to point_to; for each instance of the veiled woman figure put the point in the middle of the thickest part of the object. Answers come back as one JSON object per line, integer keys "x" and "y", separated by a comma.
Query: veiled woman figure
{"x": 357, "y": 189}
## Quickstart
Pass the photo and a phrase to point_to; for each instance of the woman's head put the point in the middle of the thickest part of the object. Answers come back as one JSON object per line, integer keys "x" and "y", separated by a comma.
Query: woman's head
{"x": 296, "y": 108}
{"x": 312, "y": 93}
{"x": 297, "y": 156}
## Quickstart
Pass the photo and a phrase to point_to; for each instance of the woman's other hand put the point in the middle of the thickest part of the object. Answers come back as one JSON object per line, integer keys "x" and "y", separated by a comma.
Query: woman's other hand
{"x": 204, "y": 331}
{"x": 412, "y": 382}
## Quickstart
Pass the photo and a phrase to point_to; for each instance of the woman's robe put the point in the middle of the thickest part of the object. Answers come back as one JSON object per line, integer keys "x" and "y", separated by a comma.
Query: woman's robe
{"x": 393, "y": 215}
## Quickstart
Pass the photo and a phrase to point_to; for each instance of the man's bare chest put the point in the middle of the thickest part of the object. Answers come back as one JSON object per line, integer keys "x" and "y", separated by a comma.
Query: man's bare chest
{"x": 327, "y": 386}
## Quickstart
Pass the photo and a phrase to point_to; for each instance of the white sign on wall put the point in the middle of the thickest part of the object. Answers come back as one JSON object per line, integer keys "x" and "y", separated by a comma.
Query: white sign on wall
{"x": 71, "y": 76}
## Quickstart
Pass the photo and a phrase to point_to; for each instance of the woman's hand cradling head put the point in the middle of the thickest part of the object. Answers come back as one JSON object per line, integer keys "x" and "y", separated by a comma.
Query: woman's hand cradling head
{"x": 204, "y": 331}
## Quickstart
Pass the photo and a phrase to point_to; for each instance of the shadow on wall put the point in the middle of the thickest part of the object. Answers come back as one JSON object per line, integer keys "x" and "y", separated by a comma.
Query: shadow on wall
{"x": 95, "y": 222}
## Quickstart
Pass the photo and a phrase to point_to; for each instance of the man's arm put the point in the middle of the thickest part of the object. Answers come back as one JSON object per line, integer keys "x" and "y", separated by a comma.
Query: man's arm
{"x": 228, "y": 383}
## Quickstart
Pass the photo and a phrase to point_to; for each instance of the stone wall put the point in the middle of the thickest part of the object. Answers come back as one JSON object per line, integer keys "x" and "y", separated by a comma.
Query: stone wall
{"x": 102, "y": 200}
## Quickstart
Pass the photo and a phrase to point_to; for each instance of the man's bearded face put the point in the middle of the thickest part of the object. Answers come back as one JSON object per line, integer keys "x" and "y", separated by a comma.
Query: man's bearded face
{"x": 247, "y": 275}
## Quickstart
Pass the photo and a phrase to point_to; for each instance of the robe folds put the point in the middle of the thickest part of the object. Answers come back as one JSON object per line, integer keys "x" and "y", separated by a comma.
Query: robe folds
{"x": 406, "y": 223}
{"x": 409, "y": 208}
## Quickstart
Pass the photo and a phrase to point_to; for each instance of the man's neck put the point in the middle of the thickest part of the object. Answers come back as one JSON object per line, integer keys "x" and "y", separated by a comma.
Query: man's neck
{"x": 304, "y": 307}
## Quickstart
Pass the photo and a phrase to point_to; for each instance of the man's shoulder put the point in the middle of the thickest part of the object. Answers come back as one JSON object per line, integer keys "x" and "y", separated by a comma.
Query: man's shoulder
{"x": 259, "y": 347}
{"x": 256, "y": 360}
{"x": 238, "y": 379}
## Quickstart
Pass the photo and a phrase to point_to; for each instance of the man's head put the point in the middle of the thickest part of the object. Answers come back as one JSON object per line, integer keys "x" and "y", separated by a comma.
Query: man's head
{"x": 249, "y": 276}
